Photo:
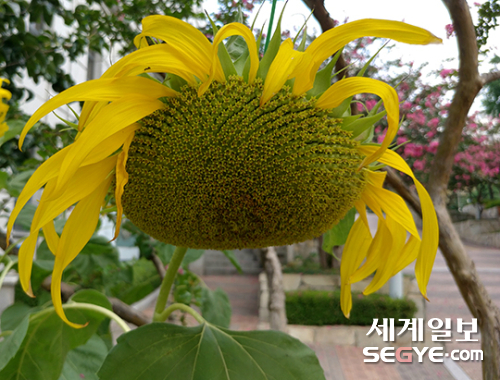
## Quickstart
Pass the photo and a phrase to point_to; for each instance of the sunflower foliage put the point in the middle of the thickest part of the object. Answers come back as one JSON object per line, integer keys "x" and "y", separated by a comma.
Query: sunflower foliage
{"x": 232, "y": 150}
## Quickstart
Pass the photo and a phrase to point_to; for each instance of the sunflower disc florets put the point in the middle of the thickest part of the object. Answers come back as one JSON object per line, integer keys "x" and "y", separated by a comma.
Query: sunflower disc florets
{"x": 221, "y": 172}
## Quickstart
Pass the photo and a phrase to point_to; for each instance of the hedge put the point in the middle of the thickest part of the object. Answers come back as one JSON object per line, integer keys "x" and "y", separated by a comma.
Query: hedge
{"x": 313, "y": 307}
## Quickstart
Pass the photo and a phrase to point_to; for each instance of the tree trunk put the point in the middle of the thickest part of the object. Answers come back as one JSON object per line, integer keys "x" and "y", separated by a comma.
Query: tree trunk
{"x": 277, "y": 312}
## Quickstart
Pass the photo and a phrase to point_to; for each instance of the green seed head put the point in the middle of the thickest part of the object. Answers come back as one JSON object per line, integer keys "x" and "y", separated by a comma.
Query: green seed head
{"x": 221, "y": 172}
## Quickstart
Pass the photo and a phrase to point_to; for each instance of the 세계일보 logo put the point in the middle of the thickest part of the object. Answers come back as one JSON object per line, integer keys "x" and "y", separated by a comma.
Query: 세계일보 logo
{"x": 441, "y": 332}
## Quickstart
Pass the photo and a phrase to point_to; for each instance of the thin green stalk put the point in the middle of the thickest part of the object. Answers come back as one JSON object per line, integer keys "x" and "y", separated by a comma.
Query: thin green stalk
{"x": 4, "y": 334}
{"x": 87, "y": 306}
{"x": 168, "y": 281}
{"x": 11, "y": 247}
{"x": 7, "y": 268}
{"x": 270, "y": 28}
{"x": 179, "y": 306}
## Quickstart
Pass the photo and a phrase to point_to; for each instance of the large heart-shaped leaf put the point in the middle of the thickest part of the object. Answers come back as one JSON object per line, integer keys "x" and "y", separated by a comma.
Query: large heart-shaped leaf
{"x": 215, "y": 307}
{"x": 48, "y": 340}
{"x": 164, "y": 351}
{"x": 84, "y": 361}
{"x": 10, "y": 345}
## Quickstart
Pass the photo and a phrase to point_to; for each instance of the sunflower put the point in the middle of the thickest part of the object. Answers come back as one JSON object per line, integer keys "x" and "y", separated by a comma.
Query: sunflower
{"x": 4, "y": 94}
{"x": 229, "y": 153}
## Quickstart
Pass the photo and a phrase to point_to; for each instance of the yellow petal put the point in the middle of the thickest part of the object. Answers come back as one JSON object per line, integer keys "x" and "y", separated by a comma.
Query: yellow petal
{"x": 334, "y": 39}
{"x": 158, "y": 58}
{"x": 283, "y": 67}
{"x": 51, "y": 236}
{"x": 99, "y": 90}
{"x": 394, "y": 206}
{"x": 82, "y": 183}
{"x": 408, "y": 255}
{"x": 50, "y": 169}
{"x": 430, "y": 229}
{"x": 348, "y": 87}
{"x": 382, "y": 243}
{"x": 121, "y": 181}
{"x": 361, "y": 209}
{"x": 177, "y": 33}
{"x": 77, "y": 232}
{"x": 116, "y": 116}
{"x": 355, "y": 249}
{"x": 25, "y": 263}
{"x": 233, "y": 29}
{"x": 389, "y": 257}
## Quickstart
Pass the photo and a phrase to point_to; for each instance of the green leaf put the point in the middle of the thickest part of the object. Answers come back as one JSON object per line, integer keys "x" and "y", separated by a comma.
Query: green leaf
{"x": 10, "y": 345}
{"x": 26, "y": 216}
{"x": 15, "y": 128}
{"x": 337, "y": 235}
{"x": 166, "y": 251}
{"x": 272, "y": 50}
{"x": 230, "y": 255}
{"x": 357, "y": 127}
{"x": 84, "y": 361}
{"x": 323, "y": 81}
{"x": 48, "y": 340}
{"x": 164, "y": 351}
{"x": 215, "y": 307}
{"x": 4, "y": 177}
{"x": 16, "y": 183}
{"x": 13, "y": 316}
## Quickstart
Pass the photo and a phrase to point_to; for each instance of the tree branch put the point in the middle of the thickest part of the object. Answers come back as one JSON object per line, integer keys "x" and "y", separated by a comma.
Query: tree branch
{"x": 120, "y": 308}
{"x": 489, "y": 77}
{"x": 160, "y": 267}
{"x": 326, "y": 22}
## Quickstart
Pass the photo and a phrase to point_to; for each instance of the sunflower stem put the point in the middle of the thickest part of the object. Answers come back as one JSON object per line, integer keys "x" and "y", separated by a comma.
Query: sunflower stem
{"x": 270, "y": 28}
{"x": 179, "y": 306}
{"x": 7, "y": 268}
{"x": 168, "y": 281}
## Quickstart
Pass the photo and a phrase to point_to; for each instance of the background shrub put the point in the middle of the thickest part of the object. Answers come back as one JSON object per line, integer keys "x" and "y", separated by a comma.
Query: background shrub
{"x": 313, "y": 307}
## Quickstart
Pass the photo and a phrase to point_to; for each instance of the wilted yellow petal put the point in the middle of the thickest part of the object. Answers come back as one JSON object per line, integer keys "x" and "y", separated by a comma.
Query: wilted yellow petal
{"x": 283, "y": 67}
{"x": 233, "y": 29}
{"x": 115, "y": 116}
{"x": 77, "y": 232}
{"x": 334, "y": 39}
{"x": 355, "y": 249}
{"x": 177, "y": 33}
{"x": 389, "y": 257}
{"x": 25, "y": 263}
{"x": 51, "y": 236}
{"x": 381, "y": 243}
{"x": 99, "y": 90}
{"x": 121, "y": 181}
{"x": 348, "y": 87}
{"x": 430, "y": 229}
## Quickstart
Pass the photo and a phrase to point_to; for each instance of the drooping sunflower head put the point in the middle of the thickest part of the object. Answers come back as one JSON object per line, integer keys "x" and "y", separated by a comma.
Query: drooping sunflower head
{"x": 221, "y": 171}
{"x": 230, "y": 153}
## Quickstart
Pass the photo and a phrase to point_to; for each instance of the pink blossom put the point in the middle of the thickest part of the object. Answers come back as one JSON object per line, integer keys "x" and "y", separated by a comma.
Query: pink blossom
{"x": 406, "y": 106}
{"x": 419, "y": 164}
{"x": 446, "y": 72}
{"x": 432, "y": 148}
{"x": 477, "y": 4}
{"x": 431, "y": 134}
{"x": 433, "y": 123}
{"x": 360, "y": 107}
{"x": 450, "y": 30}
{"x": 370, "y": 104}
{"x": 401, "y": 140}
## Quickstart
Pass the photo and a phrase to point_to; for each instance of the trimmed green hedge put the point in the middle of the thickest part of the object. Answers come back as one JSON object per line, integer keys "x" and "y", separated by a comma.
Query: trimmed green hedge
{"x": 313, "y": 307}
